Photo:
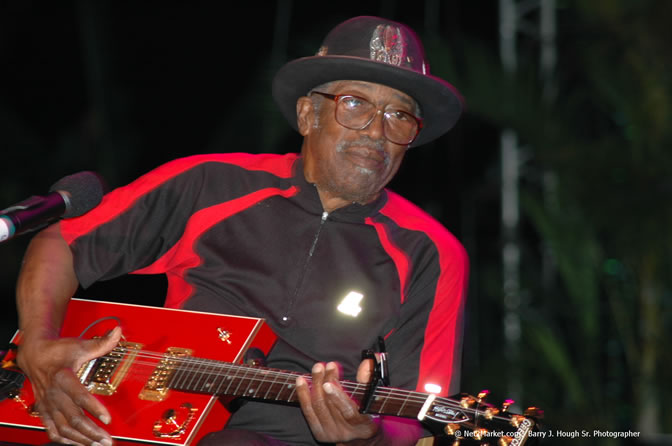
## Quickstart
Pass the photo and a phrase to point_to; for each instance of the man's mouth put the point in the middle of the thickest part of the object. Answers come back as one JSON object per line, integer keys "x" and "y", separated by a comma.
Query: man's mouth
{"x": 365, "y": 154}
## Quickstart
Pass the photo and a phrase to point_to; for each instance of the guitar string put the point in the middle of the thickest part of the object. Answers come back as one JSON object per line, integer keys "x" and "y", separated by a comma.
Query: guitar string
{"x": 183, "y": 364}
{"x": 186, "y": 364}
{"x": 407, "y": 397}
{"x": 215, "y": 367}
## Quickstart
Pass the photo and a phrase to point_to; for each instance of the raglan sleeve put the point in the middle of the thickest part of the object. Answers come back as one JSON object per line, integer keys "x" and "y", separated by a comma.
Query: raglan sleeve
{"x": 135, "y": 224}
{"x": 425, "y": 346}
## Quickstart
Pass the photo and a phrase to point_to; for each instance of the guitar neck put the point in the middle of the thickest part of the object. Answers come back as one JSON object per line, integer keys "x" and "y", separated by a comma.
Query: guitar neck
{"x": 220, "y": 378}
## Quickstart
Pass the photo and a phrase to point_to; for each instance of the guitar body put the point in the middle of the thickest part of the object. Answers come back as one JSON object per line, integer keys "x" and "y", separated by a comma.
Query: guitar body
{"x": 141, "y": 412}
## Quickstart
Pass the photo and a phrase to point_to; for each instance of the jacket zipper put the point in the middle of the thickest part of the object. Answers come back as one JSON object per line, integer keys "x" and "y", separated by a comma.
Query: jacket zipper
{"x": 286, "y": 318}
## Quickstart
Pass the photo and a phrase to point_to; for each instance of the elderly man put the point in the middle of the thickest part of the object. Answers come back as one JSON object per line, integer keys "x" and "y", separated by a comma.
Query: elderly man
{"x": 286, "y": 238}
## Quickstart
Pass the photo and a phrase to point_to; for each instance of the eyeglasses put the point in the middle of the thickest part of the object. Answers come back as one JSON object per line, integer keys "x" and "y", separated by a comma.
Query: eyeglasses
{"x": 357, "y": 113}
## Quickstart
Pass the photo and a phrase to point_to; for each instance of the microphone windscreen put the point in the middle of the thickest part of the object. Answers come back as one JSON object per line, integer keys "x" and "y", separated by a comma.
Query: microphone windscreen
{"x": 85, "y": 191}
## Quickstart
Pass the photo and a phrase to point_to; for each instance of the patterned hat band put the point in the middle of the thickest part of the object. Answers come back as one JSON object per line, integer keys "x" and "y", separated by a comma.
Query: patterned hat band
{"x": 390, "y": 44}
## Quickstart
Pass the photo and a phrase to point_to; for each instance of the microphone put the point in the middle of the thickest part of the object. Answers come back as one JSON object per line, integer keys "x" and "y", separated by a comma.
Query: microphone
{"x": 69, "y": 197}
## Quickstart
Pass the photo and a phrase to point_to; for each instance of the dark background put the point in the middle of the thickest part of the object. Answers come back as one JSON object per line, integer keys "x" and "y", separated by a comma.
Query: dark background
{"x": 121, "y": 87}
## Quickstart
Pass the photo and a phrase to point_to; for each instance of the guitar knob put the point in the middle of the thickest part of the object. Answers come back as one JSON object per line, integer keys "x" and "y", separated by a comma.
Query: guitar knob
{"x": 516, "y": 420}
{"x": 467, "y": 401}
{"x": 534, "y": 412}
{"x": 482, "y": 395}
{"x": 480, "y": 434}
{"x": 491, "y": 412}
{"x": 450, "y": 429}
{"x": 506, "y": 404}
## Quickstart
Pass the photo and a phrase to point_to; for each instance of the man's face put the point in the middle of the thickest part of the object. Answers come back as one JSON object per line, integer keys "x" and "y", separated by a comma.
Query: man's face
{"x": 353, "y": 165}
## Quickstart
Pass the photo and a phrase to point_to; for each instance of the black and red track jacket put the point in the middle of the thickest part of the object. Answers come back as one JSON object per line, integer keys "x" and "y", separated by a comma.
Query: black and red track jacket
{"x": 246, "y": 234}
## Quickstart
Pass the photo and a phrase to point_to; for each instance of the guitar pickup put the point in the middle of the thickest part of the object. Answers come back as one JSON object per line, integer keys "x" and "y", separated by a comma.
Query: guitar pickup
{"x": 156, "y": 388}
{"x": 102, "y": 376}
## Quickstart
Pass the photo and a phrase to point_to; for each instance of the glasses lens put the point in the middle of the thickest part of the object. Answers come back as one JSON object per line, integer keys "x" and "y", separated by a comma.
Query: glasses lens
{"x": 356, "y": 113}
{"x": 400, "y": 127}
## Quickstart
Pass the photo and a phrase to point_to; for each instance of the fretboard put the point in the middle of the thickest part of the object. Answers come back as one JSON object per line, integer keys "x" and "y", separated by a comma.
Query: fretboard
{"x": 196, "y": 375}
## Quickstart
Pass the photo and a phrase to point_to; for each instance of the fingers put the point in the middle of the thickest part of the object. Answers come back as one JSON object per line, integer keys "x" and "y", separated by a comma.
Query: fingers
{"x": 364, "y": 371}
{"x": 62, "y": 412}
{"x": 311, "y": 399}
{"x": 62, "y": 400}
{"x": 94, "y": 348}
{"x": 331, "y": 414}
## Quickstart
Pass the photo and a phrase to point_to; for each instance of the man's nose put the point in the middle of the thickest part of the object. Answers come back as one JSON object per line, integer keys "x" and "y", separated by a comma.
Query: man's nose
{"x": 375, "y": 128}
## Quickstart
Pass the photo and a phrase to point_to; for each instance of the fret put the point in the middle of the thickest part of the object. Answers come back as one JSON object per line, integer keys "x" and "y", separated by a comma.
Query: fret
{"x": 412, "y": 406}
{"x": 175, "y": 376}
{"x": 379, "y": 399}
{"x": 289, "y": 384}
{"x": 203, "y": 364}
{"x": 240, "y": 380}
{"x": 209, "y": 376}
{"x": 223, "y": 379}
{"x": 290, "y": 398}
{"x": 266, "y": 378}
{"x": 270, "y": 386}
{"x": 185, "y": 371}
{"x": 384, "y": 400}
{"x": 192, "y": 375}
{"x": 214, "y": 377}
{"x": 254, "y": 379}
{"x": 358, "y": 392}
{"x": 403, "y": 405}
{"x": 232, "y": 379}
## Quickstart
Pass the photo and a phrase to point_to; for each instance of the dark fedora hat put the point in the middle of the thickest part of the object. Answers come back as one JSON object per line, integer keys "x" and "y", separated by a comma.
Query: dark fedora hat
{"x": 378, "y": 50}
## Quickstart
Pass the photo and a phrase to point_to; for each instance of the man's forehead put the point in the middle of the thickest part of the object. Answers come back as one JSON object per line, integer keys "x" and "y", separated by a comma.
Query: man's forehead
{"x": 370, "y": 87}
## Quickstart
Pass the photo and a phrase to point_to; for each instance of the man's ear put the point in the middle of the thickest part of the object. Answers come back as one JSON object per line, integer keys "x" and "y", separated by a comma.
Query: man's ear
{"x": 305, "y": 115}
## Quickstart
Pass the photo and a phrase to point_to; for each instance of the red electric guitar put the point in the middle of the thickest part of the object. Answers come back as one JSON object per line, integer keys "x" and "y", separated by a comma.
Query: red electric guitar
{"x": 160, "y": 388}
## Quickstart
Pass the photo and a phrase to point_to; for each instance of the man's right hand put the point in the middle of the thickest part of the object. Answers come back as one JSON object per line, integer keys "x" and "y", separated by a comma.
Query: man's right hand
{"x": 61, "y": 400}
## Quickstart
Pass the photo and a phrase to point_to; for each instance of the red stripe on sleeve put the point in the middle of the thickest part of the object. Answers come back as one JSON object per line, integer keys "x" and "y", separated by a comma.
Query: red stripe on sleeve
{"x": 119, "y": 200}
{"x": 442, "y": 335}
{"x": 181, "y": 257}
{"x": 398, "y": 256}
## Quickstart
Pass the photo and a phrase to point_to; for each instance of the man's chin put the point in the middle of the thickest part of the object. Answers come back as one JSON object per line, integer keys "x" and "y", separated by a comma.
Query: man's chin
{"x": 361, "y": 194}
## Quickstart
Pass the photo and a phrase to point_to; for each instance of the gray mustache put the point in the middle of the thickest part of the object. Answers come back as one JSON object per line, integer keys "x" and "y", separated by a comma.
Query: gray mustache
{"x": 364, "y": 141}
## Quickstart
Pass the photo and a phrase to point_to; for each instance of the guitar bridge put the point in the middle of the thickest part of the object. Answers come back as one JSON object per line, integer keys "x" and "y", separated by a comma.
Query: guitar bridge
{"x": 102, "y": 376}
{"x": 156, "y": 388}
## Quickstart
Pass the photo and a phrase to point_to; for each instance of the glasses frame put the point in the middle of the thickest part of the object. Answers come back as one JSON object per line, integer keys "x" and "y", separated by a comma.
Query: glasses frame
{"x": 338, "y": 97}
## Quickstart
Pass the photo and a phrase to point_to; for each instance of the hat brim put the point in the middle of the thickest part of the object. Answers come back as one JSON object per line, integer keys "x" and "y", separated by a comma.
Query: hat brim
{"x": 440, "y": 102}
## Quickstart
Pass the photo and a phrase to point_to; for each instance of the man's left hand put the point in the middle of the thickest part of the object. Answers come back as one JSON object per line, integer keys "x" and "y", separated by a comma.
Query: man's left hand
{"x": 332, "y": 415}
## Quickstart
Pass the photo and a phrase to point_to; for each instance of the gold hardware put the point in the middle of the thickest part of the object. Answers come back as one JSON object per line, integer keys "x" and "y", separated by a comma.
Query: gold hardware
{"x": 467, "y": 401}
{"x": 505, "y": 441}
{"x": 516, "y": 420}
{"x": 491, "y": 412}
{"x": 169, "y": 420}
{"x": 156, "y": 388}
{"x": 450, "y": 429}
{"x": 482, "y": 394}
{"x": 224, "y": 335}
{"x": 102, "y": 376}
{"x": 480, "y": 433}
